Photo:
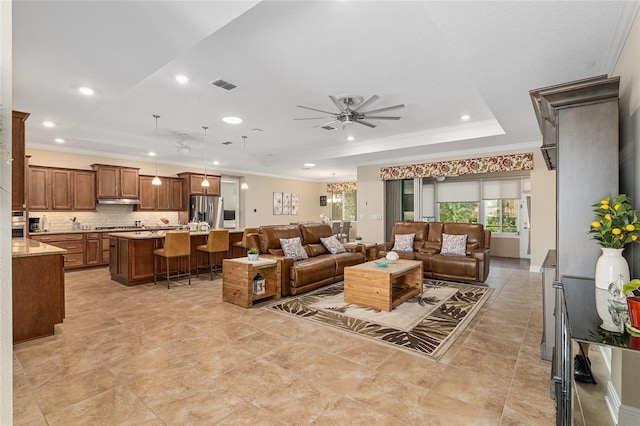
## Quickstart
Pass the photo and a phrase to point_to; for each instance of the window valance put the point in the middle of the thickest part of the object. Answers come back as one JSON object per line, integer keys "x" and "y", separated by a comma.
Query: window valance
{"x": 500, "y": 163}
{"x": 342, "y": 186}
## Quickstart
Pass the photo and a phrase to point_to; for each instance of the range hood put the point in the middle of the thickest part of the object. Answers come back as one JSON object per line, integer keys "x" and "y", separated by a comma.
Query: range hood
{"x": 126, "y": 201}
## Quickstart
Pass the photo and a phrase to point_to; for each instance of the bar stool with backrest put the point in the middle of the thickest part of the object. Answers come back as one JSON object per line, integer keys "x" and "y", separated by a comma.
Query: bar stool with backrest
{"x": 244, "y": 244}
{"x": 335, "y": 228}
{"x": 218, "y": 242}
{"x": 177, "y": 244}
{"x": 344, "y": 232}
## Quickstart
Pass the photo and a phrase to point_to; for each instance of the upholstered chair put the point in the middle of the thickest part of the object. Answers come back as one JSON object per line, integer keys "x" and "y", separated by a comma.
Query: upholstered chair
{"x": 177, "y": 244}
{"x": 218, "y": 242}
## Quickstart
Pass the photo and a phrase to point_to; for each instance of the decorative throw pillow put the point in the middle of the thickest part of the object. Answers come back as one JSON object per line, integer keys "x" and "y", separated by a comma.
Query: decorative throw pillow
{"x": 292, "y": 248}
{"x": 454, "y": 244}
{"x": 333, "y": 245}
{"x": 403, "y": 242}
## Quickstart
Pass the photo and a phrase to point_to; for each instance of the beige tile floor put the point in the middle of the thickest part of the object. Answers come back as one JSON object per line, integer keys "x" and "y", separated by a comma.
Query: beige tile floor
{"x": 149, "y": 355}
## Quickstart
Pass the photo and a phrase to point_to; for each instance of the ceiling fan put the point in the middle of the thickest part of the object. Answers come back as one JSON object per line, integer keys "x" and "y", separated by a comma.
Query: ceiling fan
{"x": 351, "y": 111}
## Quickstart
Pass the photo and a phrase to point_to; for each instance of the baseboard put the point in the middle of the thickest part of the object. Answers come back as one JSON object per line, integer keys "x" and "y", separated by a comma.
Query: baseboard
{"x": 535, "y": 268}
{"x": 628, "y": 416}
{"x": 613, "y": 402}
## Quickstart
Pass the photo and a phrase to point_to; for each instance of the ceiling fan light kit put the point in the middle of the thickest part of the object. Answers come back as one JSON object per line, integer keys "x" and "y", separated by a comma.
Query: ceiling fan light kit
{"x": 351, "y": 111}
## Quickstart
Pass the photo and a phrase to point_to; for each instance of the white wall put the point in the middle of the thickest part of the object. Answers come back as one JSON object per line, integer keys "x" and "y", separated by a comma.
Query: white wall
{"x": 6, "y": 325}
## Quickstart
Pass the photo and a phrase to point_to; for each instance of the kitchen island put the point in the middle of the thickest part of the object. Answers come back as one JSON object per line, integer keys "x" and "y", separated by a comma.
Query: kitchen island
{"x": 38, "y": 288}
{"x": 131, "y": 254}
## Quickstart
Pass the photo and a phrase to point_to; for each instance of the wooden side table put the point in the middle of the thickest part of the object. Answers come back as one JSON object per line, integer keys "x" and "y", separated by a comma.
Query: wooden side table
{"x": 237, "y": 280}
{"x": 369, "y": 249}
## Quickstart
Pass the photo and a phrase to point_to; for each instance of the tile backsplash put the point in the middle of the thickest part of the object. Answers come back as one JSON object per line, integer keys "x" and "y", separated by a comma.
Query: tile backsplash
{"x": 105, "y": 215}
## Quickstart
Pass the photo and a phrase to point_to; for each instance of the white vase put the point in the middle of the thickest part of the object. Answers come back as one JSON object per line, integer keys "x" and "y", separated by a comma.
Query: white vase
{"x": 611, "y": 264}
{"x": 602, "y": 306}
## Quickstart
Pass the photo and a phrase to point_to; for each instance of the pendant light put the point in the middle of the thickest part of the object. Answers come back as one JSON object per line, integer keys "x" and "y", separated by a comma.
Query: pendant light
{"x": 244, "y": 144}
{"x": 156, "y": 180}
{"x": 205, "y": 182}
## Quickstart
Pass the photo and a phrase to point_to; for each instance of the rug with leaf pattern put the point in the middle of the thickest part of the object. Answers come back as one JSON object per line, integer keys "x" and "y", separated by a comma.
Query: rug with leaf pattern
{"x": 427, "y": 324}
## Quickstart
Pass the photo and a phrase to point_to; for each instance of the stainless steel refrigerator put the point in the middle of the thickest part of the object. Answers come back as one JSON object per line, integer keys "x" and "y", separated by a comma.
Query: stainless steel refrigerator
{"x": 207, "y": 208}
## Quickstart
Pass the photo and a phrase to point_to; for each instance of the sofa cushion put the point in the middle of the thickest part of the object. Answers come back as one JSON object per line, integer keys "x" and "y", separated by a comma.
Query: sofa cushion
{"x": 292, "y": 248}
{"x": 403, "y": 242}
{"x": 270, "y": 235}
{"x": 312, "y": 232}
{"x": 314, "y": 250}
{"x": 333, "y": 245}
{"x": 454, "y": 244}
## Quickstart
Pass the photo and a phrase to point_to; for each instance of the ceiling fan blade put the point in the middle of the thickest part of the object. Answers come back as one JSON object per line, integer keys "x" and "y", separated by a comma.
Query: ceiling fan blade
{"x": 367, "y": 102}
{"x": 325, "y": 124}
{"x": 366, "y": 123}
{"x": 384, "y": 109}
{"x": 373, "y": 117}
{"x": 318, "y": 110}
{"x": 312, "y": 118}
{"x": 339, "y": 104}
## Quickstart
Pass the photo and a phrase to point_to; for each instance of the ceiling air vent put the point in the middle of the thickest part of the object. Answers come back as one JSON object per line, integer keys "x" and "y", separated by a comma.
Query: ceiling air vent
{"x": 223, "y": 84}
{"x": 227, "y": 143}
{"x": 328, "y": 127}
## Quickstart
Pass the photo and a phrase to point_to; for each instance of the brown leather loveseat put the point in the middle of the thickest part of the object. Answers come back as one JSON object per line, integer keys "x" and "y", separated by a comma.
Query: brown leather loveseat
{"x": 473, "y": 266}
{"x": 320, "y": 269}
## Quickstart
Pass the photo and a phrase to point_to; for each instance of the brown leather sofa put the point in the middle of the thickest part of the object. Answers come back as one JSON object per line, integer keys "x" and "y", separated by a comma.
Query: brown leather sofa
{"x": 322, "y": 268}
{"x": 473, "y": 267}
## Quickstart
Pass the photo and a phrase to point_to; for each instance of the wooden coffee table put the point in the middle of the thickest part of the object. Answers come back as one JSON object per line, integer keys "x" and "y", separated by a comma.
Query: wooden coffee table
{"x": 382, "y": 288}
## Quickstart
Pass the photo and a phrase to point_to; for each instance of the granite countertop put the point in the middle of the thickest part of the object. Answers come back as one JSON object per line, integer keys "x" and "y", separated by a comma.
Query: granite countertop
{"x": 24, "y": 247}
{"x": 143, "y": 235}
{"x": 111, "y": 231}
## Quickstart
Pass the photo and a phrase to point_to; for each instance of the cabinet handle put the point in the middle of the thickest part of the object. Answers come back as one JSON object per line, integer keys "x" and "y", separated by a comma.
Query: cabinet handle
{"x": 71, "y": 247}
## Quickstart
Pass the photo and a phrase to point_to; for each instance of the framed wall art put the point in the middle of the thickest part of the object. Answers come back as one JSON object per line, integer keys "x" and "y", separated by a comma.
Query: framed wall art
{"x": 286, "y": 203}
{"x": 295, "y": 203}
{"x": 277, "y": 203}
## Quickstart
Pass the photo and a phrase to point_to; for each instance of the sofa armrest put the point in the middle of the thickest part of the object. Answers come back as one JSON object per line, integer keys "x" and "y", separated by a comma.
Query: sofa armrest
{"x": 384, "y": 246}
{"x": 285, "y": 272}
{"x": 253, "y": 241}
{"x": 484, "y": 258}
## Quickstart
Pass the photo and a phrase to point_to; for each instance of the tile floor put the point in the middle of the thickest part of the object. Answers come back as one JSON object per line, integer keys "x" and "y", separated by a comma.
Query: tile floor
{"x": 148, "y": 355}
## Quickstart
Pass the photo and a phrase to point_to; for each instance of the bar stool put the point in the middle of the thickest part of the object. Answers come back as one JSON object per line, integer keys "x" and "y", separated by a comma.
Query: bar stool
{"x": 245, "y": 237}
{"x": 217, "y": 242}
{"x": 177, "y": 244}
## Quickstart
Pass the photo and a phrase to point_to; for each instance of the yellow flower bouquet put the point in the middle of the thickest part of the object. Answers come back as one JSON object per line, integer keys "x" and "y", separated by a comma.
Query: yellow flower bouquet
{"x": 616, "y": 223}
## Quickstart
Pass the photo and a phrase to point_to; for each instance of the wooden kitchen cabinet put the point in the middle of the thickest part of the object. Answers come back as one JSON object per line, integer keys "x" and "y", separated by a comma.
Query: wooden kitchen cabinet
{"x": 93, "y": 248}
{"x": 116, "y": 182}
{"x": 19, "y": 164}
{"x": 165, "y": 197}
{"x": 84, "y": 190}
{"x": 72, "y": 242}
{"x": 193, "y": 184}
{"x": 61, "y": 189}
{"x": 106, "y": 255}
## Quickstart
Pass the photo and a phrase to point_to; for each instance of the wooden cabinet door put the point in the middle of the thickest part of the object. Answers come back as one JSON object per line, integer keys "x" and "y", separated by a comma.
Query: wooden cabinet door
{"x": 93, "y": 248}
{"x": 214, "y": 185}
{"x": 18, "y": 165}
{"x": 129, "y": 183}
{"x": 108, "y": 178}
{"x": 195, "y": 184}
{"x": 105, "y": 248}
{"x": 147, "y": 194}
{"x": 84, "y": 190}
{"x": 38, "y": 188}
{"x": 175, "y": 202}
{"x": 61, "y": 189}
{"x": 163, "y": 196}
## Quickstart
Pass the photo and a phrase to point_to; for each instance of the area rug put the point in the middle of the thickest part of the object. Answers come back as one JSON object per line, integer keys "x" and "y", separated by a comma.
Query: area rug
{"x": 427, "y": 324}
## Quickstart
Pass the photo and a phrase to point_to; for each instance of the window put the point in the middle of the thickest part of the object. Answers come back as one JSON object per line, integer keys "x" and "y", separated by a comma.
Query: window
{"x": 501, "y": 215}
{"x": 463, "y": 212}
{"x": 344, "y": 205}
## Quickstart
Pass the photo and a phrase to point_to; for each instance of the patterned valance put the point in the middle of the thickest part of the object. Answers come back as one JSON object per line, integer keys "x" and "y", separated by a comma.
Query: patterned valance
{"x": 342, "y": 186}
{"x": 500, "y": 163}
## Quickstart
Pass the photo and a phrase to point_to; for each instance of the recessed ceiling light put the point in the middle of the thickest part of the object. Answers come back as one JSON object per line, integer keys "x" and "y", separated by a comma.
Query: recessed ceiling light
{"x": 182, "y": 79}
{"x": 48, "y": 124}
{"x": 309, "y": 164}
{"x": 59, "y": 140}
{"x": 152, "y": 154}
{"x": 465, "y": 117}
{"x": 350, "y": 138}
{"x": 232, "y": 120}
{"x": 86, "y": 90}
{"x": 216, "y": 163}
